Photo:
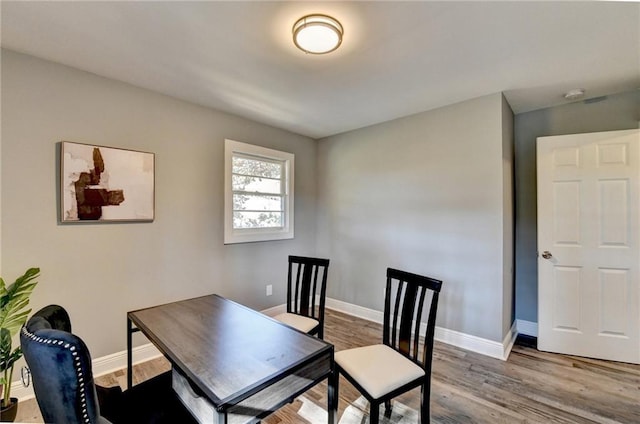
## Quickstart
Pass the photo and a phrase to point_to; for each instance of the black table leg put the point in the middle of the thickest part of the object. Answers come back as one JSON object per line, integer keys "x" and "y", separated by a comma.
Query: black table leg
{"x": 332, "y": 394}
{"x": 129, "y": 355}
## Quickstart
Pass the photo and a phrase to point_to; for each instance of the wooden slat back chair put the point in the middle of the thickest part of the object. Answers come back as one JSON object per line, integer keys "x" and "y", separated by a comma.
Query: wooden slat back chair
{"x": 402, "y": 362}
{"x": 306, "y": 293}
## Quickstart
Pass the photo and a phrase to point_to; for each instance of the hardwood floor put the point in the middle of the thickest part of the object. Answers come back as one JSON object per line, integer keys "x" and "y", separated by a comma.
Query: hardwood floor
{"x": 531, "y": 387}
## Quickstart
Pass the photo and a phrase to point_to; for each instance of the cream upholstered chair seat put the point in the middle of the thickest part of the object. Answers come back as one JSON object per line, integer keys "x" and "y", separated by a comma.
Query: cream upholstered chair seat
{"x": 299, "y": 322}
{"x": 306, "y": 294}
{"x": 378, "y": 368}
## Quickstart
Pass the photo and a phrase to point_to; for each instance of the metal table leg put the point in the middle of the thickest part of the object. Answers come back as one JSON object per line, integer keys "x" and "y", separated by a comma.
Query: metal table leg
{"x": 332, "y": 394}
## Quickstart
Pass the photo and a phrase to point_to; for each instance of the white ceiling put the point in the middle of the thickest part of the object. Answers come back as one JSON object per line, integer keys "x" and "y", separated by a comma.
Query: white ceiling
{"x": 397, "y": 58}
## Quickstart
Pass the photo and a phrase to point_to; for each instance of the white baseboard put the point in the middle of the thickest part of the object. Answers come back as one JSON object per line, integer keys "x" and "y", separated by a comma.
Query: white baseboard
{"x": 100, "y": 366}
{"x": 465, "y": 341}
{"x": 355, "y": 310}
{"x": 527, "y": 328}
{"x": 509, "y": 341}
{"x": 117, "y": 361}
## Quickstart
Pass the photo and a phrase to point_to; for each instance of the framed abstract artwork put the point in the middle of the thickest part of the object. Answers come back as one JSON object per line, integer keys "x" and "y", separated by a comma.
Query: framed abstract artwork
{"x": 105, "y": 184}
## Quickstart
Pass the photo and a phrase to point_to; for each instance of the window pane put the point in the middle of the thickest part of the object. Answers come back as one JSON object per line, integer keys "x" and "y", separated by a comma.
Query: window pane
{"x": 258, "y": 194}
{"x": 257, "y": 219}
{"x": 256, "y": 184}
{"x": 256, "y": 203}
{"x": 258, "y": 168}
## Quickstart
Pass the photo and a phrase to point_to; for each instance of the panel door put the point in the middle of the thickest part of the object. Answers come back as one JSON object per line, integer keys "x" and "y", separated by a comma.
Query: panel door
{"x": 588, "y": 245}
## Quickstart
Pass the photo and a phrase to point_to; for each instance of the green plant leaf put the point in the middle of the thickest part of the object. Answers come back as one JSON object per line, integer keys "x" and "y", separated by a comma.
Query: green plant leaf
{"x": 14, "y": 299}
{"x": 20, "y": 286}
{"x": 6, "y": 363}
{"x": 5, "y": 348}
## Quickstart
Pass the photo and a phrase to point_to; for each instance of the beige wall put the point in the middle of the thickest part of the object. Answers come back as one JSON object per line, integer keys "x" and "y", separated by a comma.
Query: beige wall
{"x": 100, "y": 271}
{"x": 427, "y": 194}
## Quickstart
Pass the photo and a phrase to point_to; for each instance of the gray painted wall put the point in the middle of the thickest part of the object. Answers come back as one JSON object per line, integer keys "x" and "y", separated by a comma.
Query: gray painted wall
{"x": 508, "y": 207}
{"x": 615, "y": 112}
{"x": 426, "y": 194}
{"x": 101, "y": 271}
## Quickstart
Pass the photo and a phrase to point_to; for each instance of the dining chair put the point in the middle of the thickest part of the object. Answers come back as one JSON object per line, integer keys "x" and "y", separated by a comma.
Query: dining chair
{"x": 306, "y": 293}
{"x": 61, "y": 371}
{"x": 401, "y": 363}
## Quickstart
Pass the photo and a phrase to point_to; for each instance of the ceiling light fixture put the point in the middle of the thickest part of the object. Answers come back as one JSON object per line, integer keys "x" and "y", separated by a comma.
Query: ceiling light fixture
{"x": 317, "y": 34}
{"x": 574, "y": 94}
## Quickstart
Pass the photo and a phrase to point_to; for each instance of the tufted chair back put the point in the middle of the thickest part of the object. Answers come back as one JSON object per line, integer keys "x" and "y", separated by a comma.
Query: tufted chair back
{"x": 60, "y": 367}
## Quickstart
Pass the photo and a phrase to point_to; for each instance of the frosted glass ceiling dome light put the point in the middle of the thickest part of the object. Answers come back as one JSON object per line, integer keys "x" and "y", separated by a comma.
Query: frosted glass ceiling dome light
{"x": 317, "y": 34}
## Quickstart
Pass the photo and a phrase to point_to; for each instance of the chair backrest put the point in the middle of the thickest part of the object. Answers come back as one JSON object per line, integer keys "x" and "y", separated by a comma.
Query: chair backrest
{"x": 307, "y": 278}
{"x": 60, "y": 367}
{"x": 404, "y": 303}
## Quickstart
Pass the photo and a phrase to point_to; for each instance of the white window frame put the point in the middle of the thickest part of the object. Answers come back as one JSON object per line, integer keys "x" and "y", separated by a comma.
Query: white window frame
{"x": 246, "y": 235}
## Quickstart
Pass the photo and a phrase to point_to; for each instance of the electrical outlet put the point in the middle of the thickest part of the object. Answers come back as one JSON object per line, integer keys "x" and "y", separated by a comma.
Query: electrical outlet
{"x": 269, "y": 289}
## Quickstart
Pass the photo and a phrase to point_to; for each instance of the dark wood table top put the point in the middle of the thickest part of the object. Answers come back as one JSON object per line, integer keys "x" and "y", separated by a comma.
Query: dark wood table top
{"x": 228, "y": 351}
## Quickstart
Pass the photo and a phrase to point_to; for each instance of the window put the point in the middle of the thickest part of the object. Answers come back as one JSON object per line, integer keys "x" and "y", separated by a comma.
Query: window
{"x": 258, "y": 193}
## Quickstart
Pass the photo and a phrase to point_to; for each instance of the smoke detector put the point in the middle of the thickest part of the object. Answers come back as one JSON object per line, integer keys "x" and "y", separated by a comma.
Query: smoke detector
{"x": 574, "y": 94}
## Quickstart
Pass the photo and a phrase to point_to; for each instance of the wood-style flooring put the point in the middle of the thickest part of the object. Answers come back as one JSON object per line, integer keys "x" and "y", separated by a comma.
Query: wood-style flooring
{"x": 530, "y": 387}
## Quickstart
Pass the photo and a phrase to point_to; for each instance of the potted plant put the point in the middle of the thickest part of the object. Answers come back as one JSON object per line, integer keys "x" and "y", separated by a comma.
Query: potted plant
{"x": 13, "y": 314}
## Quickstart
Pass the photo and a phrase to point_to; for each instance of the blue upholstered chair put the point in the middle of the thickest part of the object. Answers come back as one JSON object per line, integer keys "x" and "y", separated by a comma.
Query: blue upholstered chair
{"x": 60, "y": 366}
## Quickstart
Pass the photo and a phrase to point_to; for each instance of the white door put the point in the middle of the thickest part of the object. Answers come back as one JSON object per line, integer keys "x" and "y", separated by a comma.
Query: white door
{"x": 588, "y": 245}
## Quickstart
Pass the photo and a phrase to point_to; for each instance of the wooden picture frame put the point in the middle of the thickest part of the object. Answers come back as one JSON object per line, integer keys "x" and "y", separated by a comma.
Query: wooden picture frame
{"x": 105, "y": 184}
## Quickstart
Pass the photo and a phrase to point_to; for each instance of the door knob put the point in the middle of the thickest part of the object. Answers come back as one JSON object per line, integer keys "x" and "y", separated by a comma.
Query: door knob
{"x": 547, "y": 255}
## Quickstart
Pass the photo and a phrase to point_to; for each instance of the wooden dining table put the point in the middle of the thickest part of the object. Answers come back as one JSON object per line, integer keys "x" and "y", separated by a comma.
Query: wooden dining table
{"x": 232, "y": 364}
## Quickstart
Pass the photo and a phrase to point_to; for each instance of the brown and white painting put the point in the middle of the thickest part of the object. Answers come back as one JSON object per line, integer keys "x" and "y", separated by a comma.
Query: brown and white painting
{"x": 105, "y": 184}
